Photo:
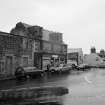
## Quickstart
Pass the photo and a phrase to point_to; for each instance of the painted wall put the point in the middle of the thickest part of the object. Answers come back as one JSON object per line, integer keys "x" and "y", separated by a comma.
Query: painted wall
{"x": 93, "y": 59}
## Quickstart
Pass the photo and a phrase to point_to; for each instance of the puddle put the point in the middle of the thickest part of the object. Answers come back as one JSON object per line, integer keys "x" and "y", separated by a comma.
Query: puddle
{"x": 33, "y": 96}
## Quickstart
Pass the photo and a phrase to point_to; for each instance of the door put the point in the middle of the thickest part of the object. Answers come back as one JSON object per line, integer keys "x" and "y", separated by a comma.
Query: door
{"x": 37, "y": 60}
{"x": 9, "y": 65}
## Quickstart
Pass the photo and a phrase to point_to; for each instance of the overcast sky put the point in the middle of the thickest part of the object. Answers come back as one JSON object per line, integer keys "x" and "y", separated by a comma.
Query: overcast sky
{"x": 82, "y": 22}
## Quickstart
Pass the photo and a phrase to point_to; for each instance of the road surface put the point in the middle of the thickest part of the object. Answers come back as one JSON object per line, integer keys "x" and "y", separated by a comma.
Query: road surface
{"x": 87, "y": 88}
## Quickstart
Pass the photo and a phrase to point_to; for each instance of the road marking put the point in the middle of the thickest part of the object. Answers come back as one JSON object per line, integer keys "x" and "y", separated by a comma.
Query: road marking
{"x": 86, "y": 79}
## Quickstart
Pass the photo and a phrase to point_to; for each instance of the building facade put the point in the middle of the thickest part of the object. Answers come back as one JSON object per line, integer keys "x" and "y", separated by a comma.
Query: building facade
{"x": 54, "y": 53}
{"x": 93, "y": 59}
{"x": 15, "y": 50}
{"x": 54, "y": 50}
{"x": 102, "y": 53}
{"x": 75, "y": 55}
{"x": 47, "y": 46}
{"x": 28, "y": 45}
{"x": 34, "y": 34}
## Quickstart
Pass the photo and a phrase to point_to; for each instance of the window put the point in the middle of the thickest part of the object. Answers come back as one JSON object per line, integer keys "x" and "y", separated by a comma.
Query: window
{"x": 46, "y": 46}
{"x": 30, "y": 44}
{"x": 57, "y": 48}
{"x": 37, "y": 46}
{"x": 25, "y": 61}
{"x": 1, "y": 67}
{"x": 27, "y": 43}
{"x": 24, "y": 43}
{"x": 97, "y": 59}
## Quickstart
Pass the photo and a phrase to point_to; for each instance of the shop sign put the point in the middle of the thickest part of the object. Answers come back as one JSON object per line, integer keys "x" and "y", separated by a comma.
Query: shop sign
{"x": 47, "y": 58}
{"x": 55, "y": 56}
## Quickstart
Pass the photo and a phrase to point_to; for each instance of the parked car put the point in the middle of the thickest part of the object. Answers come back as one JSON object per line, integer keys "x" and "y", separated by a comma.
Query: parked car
{"x": 66, "y": 68}
{"x": 33, "y": 71}
{"x": 74, "y": 66}
{"x": 56, "y": 69}
{"x": 25, "y": 72}
{"x": 83, "y": 67}
{"x": 52, "y": 69}
{"x": 20, "y": 73}
{"x": 61, "y": 68}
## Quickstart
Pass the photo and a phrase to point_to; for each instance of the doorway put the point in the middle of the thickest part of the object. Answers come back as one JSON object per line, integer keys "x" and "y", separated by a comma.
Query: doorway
{"x": 9, "y": 65}
{"x": 37, "y": 60}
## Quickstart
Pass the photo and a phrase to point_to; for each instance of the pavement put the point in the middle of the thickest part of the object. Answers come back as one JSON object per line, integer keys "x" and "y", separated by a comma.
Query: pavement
{"x": 2, "y": 78}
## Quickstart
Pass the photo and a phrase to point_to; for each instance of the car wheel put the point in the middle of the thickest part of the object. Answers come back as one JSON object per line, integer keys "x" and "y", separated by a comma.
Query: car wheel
{"x": 42, "y": 74}
{"x": 27, "y": 77}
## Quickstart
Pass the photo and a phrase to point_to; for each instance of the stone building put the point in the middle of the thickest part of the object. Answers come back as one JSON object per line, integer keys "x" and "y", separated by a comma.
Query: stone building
{"x": 20, "y": 47}
{"x": 28, "y": 45}
{"x": 33, "y": 38}
{"x": 54, "y": 50}
{"x": 13, "y": 52}
{"x": 47, "y": 45}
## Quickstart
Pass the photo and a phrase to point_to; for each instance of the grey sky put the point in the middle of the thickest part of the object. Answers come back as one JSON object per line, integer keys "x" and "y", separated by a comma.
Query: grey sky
{"x": 81, "y": 21}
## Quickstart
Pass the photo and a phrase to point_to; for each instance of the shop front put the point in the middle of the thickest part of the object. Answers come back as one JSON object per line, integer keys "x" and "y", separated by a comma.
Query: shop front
{"x": 52, "y": 59}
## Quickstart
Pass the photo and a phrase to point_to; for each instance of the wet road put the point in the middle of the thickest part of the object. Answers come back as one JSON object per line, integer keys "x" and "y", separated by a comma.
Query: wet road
{"x": 87, "y": 88}
{"x": 51, "y": 80}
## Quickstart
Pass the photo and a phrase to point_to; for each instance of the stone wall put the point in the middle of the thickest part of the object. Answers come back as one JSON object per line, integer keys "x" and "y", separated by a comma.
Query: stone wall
{"x": 12, "y": 52}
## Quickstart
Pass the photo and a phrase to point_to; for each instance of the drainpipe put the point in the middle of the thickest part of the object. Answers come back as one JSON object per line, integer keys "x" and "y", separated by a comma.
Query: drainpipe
{"x": 77, "y": 59}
